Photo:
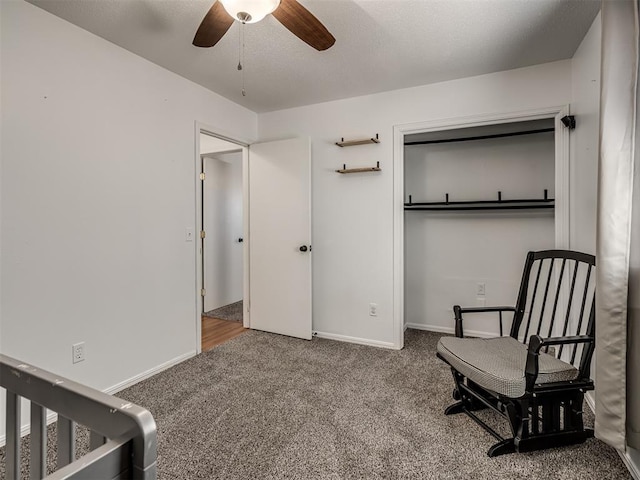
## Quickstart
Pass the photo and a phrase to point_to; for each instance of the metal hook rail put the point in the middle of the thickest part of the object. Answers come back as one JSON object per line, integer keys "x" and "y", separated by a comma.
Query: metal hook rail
{"x": 499, "y": 204}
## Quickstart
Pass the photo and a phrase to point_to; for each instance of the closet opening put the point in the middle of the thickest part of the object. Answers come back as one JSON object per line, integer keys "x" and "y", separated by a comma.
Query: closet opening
{"x": 472, "y": 199}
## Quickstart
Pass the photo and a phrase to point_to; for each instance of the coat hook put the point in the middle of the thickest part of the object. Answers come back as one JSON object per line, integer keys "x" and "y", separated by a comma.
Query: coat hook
{"x": 446, "y": 196}
{"x": 545, "y": 193}
{"x": 569, "y": 121}
{"x": 499, "y": 196}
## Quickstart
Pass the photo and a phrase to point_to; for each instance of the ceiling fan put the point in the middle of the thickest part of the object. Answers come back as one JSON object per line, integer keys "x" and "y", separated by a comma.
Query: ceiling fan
{"x": 289, "y": 13}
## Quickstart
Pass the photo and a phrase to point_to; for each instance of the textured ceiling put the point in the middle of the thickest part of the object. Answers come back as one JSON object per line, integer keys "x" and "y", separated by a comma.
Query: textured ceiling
{"x": 380, "y": 44}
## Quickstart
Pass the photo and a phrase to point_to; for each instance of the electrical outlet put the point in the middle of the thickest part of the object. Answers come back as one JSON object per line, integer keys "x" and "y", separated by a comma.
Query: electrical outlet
{"x": 77, "y": 350}
{"x": 373, "y": 309}
{"x": 480, "y": 289}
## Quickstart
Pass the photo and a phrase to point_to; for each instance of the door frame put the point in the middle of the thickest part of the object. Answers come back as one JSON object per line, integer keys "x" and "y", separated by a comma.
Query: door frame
{"x": 561, "y": 211}
{"x": 201, "y": 128}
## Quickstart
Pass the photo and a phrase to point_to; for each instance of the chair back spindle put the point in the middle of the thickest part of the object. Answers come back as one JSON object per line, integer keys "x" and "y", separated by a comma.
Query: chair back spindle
{"x": 557, "y": 298}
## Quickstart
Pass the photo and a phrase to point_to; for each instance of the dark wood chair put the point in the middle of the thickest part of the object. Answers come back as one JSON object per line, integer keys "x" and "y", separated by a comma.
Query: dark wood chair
{"x": 536, "y": 376}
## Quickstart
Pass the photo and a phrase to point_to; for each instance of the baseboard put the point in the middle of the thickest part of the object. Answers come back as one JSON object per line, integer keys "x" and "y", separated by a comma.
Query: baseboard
{"x": 52, "y": 416}
{"x": 359, "y": 341}
{"x": 634, "y": 468}
{"x": 149, "y": 373}
{"x": 450, "y": 330}
{"x": 591, "y": 401}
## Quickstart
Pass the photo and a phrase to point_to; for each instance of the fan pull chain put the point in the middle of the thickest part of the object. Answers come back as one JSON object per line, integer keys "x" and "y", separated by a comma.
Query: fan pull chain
{"x": 241, "y": 56}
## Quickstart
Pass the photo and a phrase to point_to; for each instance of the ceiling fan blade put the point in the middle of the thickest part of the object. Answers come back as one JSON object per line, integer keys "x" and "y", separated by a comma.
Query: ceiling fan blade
{"x": 303, "y": 24}
{"x": 213, "y": 27}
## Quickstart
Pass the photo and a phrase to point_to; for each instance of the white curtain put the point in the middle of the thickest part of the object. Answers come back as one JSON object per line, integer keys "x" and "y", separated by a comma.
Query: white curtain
{"x": 617, "y": 321}
{"x": 633, "y": 304}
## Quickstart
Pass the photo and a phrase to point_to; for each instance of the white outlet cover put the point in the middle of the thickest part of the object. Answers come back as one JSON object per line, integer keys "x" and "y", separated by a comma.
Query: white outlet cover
{"x": 77, "y": 352}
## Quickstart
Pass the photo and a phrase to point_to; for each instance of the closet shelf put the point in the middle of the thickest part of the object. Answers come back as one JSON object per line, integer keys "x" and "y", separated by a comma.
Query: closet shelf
{"x": 344, "y": 169}
{"x": 353, "y": 143}
{"x": 500, "y": 204}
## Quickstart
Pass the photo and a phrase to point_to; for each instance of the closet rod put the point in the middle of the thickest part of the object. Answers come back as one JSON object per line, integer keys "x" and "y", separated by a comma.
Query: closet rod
{"x": 481, "y": 137}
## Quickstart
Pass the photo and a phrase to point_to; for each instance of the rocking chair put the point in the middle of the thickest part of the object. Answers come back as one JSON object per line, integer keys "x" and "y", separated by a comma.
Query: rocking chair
{"x": 537, "y": 376}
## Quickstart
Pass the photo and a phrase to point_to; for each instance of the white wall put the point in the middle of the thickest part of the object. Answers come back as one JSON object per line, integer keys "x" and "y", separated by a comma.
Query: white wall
{"x": 448, "y": 253}
{"x": 353, "y": 214}
{"x": 98, "y": 179}
{"x": 223, "y": 224}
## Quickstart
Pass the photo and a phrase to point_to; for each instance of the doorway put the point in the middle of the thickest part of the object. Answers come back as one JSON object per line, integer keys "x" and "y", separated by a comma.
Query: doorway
{"x": 277, "y": 281}
{"x": 221, "y": 240}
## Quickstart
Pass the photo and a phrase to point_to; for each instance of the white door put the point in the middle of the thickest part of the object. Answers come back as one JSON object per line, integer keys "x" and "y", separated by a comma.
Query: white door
{"x": 280, "y": 237}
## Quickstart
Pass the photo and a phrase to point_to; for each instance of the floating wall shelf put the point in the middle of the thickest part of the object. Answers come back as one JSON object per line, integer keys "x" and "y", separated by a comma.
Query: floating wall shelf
{"x": 353, "y": 143}
{"x": 344, "y": 169}
{"x": 500, "y": 204}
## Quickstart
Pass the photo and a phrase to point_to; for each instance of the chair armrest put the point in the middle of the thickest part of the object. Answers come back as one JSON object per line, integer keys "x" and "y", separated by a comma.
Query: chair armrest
{"x": 458, "y": 311}
{"x": 536, "y": 343}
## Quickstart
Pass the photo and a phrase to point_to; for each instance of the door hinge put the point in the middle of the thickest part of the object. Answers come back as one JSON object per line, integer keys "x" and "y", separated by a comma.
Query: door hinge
{"x": 203, "y": 234}
{"x": 202, "y": 175}
{"x": 203, "y": 292}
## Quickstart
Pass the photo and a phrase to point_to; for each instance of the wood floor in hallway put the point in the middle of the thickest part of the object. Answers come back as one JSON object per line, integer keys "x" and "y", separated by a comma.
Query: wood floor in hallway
{"x": 216, "y": 331}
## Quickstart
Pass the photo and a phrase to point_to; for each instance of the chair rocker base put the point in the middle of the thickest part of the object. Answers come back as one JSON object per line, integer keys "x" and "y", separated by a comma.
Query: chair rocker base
{"x": 539, "y": 443}
{"x": 520, "y": 445}
{"x": 533, "y": 429}
{"x": 502, "y": 448}
{"x": 455, "y": 409}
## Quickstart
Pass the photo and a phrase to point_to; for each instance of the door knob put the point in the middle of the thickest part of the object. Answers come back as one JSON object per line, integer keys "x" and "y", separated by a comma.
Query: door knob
{"x": 303, "y": 248}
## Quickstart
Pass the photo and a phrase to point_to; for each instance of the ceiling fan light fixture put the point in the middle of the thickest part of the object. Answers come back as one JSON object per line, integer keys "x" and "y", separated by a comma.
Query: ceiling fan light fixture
{"x": 249, "y": 11}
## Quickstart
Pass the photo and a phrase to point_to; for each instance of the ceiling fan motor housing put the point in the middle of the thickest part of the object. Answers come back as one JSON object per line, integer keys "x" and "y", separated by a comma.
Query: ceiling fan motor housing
{"x": 295, "y": 18}
{"x": 249, "y": 11}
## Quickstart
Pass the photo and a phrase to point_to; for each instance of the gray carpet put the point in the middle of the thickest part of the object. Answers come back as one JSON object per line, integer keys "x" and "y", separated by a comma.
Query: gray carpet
{"x": 231, "y": 313}
{"x": 273, "y": 407}
{"x": 264, "y": 406}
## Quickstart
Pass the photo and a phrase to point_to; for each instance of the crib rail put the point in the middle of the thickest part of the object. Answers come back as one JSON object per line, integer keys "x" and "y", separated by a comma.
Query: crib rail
{"x": 122, "y": 439}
